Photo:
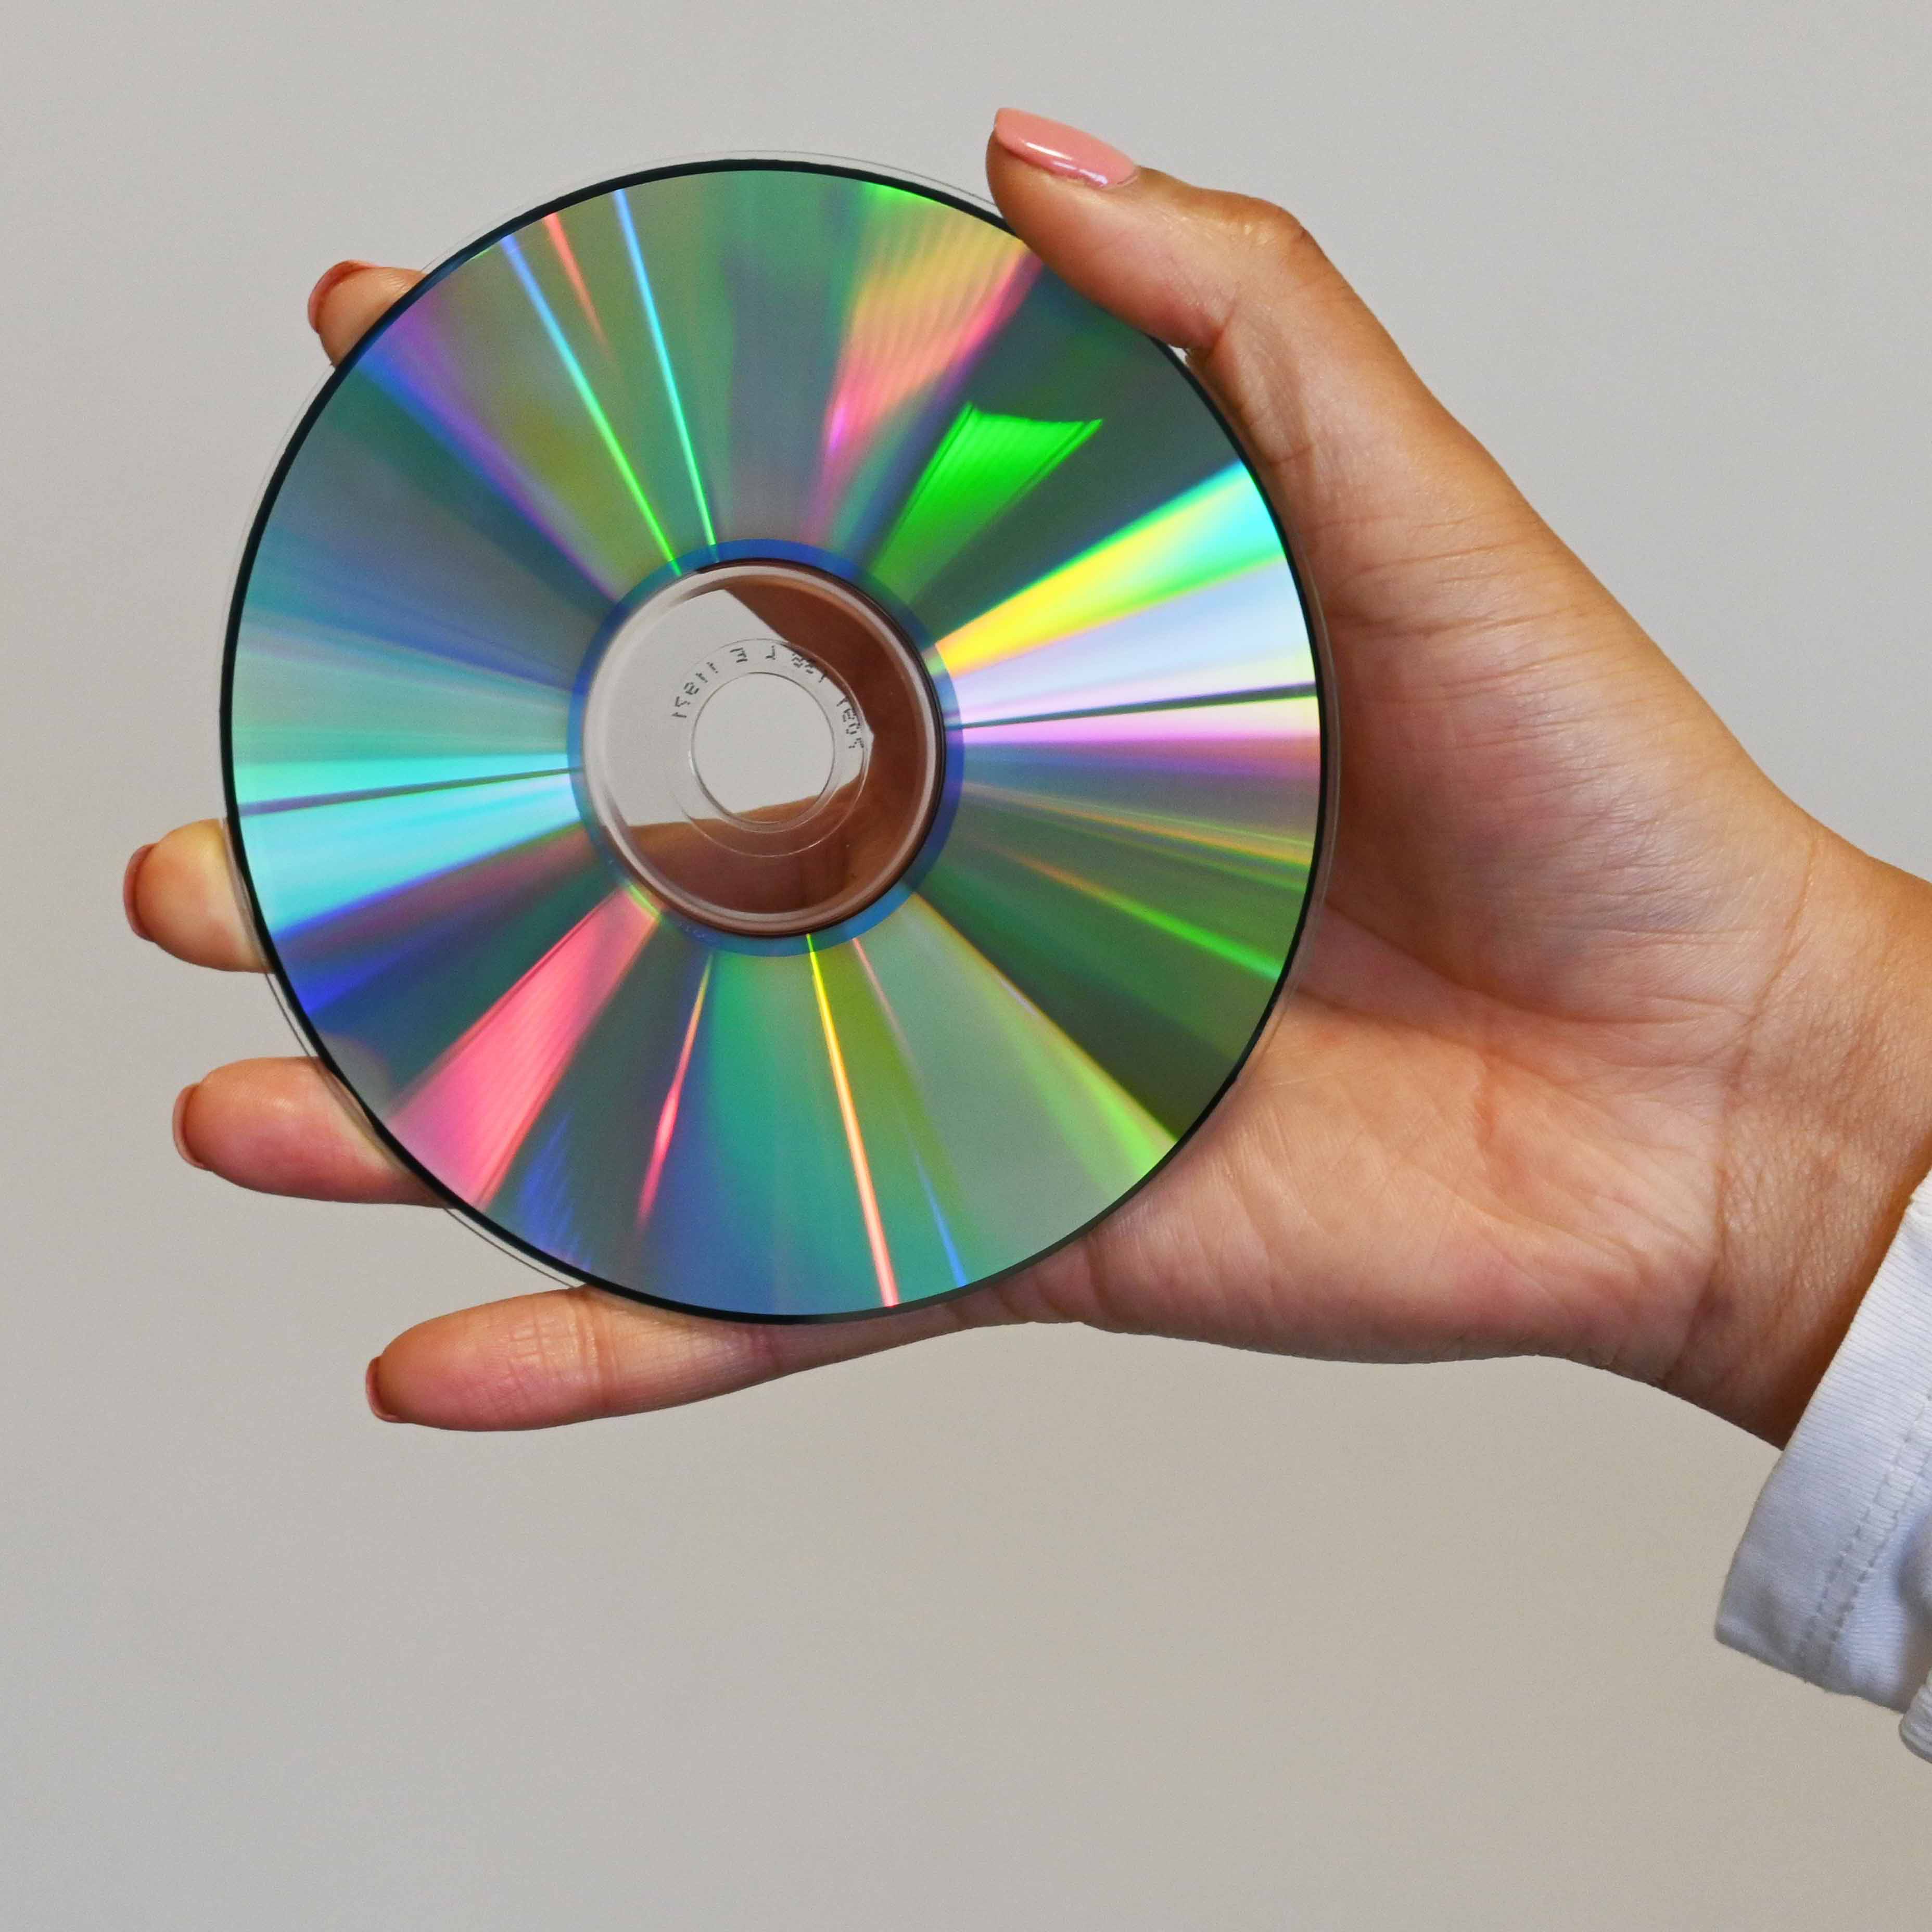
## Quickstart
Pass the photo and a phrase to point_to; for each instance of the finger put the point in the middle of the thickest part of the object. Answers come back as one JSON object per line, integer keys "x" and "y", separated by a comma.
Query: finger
{"x": 350, "y": 298}
{"x": 181, "y": 893}
{"x": 1334, "y": 414}
{"x": 282, "y": 1126}
{"x": 575, "y": 1354}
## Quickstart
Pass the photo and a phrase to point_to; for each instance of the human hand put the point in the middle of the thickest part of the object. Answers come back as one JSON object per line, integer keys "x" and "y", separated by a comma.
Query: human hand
{"x": 1602, "y": 1048}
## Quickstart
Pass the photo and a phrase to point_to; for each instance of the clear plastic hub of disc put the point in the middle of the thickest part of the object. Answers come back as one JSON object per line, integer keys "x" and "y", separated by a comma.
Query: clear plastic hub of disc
{"x": 762, "y": 748}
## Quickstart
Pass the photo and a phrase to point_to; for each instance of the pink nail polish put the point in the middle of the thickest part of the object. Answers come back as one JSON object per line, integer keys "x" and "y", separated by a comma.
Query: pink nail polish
{"x": 370, "y": 1389}
{"x": 127, "y": 879}
{"x": 182, "y": 1099}
{"x": 1061, "y": 150}
{"x": 319, "y": 294}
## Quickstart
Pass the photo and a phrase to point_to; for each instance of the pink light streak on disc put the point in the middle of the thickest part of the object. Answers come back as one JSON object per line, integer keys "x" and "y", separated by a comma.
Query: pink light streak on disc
{"x": 916, "y": 327}
{"x": 466, "y": 1117}
{"x": 667, "y": 1117}
{"x": 554, "y": 226}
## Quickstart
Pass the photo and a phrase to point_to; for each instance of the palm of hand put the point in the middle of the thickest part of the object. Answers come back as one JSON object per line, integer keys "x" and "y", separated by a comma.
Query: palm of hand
{"x": 1495, "y": 1115}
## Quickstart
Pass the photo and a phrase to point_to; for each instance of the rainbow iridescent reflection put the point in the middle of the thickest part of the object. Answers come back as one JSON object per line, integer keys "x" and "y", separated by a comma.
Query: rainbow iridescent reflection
{"x": 737, "y": 360}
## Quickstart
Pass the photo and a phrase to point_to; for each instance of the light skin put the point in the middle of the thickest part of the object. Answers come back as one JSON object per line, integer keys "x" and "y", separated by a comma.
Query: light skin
{"x": 1602, "y": 1049}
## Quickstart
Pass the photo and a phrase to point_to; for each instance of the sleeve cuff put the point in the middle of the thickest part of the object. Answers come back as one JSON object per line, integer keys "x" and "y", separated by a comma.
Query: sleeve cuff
{"x": 1833, "y": 1580}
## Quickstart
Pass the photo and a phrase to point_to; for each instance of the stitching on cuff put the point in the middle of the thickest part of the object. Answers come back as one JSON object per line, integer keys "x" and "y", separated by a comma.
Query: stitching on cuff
{"x": 1815, "y": 1653}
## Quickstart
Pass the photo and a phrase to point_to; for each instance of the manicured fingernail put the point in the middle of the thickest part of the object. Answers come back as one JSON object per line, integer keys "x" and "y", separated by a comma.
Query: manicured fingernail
{"x": 182, "y": 1099}
{"x": 127, "y": 905}
{"x": 1061, "y": 150}
{"x": 373, "y": 1390}
{"x": 319, "y": 294}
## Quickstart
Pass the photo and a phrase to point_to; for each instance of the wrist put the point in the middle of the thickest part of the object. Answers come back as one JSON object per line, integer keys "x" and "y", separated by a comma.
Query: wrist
{"x": 1829, "y": 1131}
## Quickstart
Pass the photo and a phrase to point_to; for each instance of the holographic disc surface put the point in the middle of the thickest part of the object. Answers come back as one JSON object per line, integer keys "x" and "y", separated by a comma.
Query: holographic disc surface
{"x": 776, "y": 750}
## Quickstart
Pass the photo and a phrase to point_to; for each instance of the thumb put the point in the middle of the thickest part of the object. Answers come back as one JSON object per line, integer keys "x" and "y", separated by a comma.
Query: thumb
{"x": 1333, "y": 413}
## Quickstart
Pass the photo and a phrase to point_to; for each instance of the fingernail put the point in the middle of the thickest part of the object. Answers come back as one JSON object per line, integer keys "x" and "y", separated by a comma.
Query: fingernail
{"x": 373, "y": 1391}
{"x": 1061, "y": 150}
{"x": 182, "y": 1099}
{"x": 127, "y": 905}
{"x": 319, "y": 294}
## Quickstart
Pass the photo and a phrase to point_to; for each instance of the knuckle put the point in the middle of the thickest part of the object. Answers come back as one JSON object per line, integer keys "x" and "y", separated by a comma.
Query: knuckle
{"x": 763, "y": 1352}
{"x": 553, "y": 1343}
{"x": 1271, "y": 229}
{"x": 1053, "y": 1291}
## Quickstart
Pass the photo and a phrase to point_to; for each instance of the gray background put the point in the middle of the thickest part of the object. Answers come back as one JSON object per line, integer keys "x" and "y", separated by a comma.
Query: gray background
{"x": 1024, "y": 1629}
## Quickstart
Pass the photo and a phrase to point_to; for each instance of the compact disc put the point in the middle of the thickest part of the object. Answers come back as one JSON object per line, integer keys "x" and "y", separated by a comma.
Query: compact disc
{"x": 777, "y": 750}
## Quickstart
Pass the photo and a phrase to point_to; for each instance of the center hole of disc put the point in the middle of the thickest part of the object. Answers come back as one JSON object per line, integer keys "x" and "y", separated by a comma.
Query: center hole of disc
{"x": 760, "y": 745}
{"x": 762, "y": 748}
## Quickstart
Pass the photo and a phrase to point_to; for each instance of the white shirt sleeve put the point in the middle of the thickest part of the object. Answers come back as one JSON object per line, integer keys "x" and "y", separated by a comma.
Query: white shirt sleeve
{"x": 1833, "y": 1581}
